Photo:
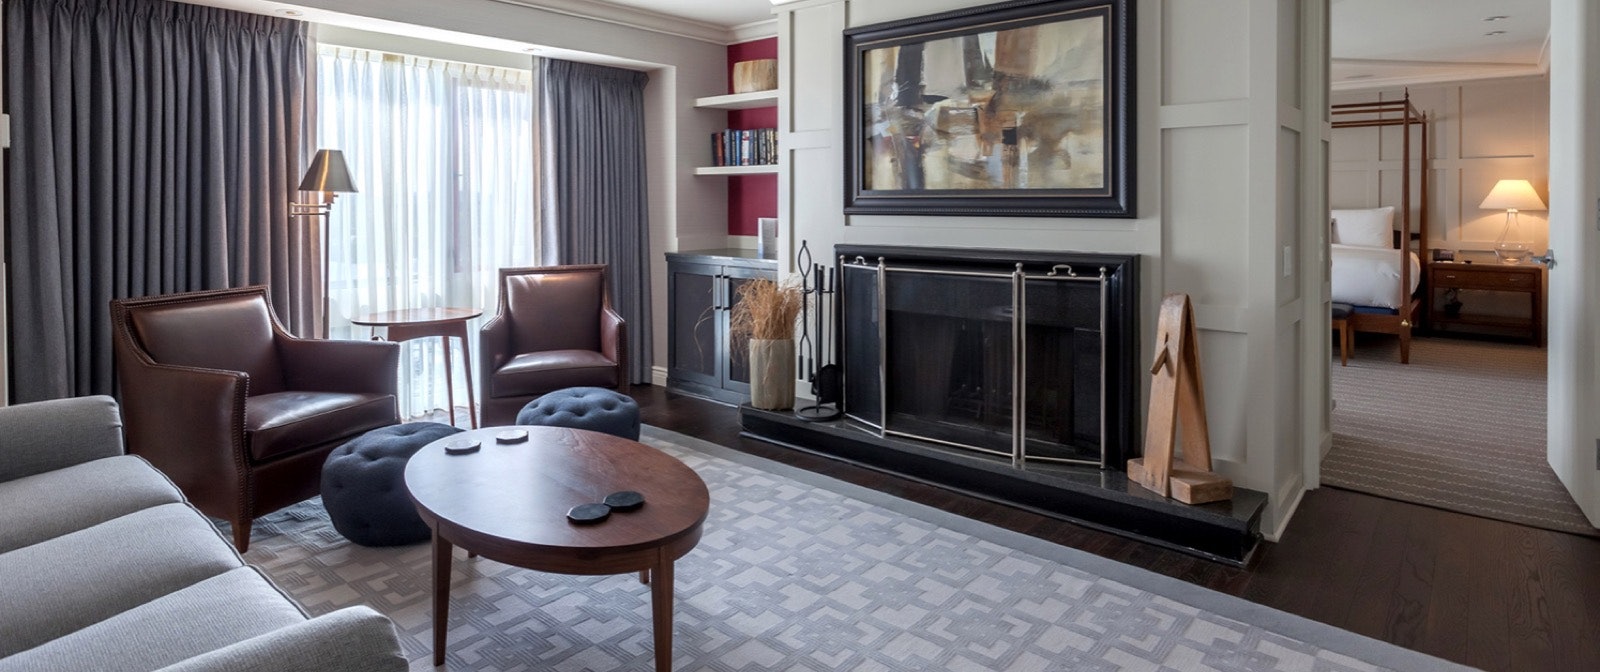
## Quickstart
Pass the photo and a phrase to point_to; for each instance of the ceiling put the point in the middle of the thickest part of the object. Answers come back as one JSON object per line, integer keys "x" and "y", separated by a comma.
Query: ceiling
{"x": 726, "y": 13}
{"x": 1394, "y": 42}
{"x": 1375, "y": 43}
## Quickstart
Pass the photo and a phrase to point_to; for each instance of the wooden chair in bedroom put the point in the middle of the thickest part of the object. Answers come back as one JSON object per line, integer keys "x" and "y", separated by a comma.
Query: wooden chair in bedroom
{"x": 1341, "y": 324}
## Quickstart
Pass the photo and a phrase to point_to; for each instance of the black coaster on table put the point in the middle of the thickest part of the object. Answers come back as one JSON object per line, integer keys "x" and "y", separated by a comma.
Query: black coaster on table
{"x": 588, "y": 514}
{"x": 512, "y": 436}
{"x": 627, "y": 500}
{"x": 461, "y": 447}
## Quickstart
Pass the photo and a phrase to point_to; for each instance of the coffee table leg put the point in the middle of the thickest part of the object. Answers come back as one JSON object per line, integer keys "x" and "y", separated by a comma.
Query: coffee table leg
{"x": 441, "y": 596}
{"x": 661, "y": 612}
{"x": 644, "y": 576}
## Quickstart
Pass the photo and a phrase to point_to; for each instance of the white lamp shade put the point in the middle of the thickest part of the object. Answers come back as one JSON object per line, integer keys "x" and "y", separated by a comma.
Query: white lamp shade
{"x": 1512, "y": 195}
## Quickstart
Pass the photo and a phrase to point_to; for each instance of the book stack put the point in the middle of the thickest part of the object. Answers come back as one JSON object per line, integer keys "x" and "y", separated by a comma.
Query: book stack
{"x": 748, "y": 147}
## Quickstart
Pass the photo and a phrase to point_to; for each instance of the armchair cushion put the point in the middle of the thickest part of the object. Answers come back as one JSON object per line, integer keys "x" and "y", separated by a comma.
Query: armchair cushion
{"x": 228, "y": 333}
{"x": 288, "y": 422}
{"x": 554, "y": 311}
{"x": 48, "y": 505}
{"x": 540, "y": 372}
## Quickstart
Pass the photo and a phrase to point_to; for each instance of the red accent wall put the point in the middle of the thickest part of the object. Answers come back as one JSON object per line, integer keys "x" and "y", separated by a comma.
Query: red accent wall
{"x": 751, "y": 196}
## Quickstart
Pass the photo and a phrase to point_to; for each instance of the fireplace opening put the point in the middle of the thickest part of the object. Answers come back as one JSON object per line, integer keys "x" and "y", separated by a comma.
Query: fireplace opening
{"x": 1007, "y": 354}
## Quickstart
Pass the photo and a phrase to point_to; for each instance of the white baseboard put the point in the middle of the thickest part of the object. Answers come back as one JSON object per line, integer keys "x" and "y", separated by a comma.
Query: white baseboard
{"x": 658, "y": 375}
{"x": 1294, "y": 493}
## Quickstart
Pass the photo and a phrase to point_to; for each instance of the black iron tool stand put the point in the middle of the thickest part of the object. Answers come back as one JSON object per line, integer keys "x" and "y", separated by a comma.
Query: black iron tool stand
{"x": 818, "y": 283}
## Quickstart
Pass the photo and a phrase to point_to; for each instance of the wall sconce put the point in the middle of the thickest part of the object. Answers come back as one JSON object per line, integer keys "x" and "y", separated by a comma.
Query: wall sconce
{"x": 1512, "y": 196}
{"x": 329, "y": 176}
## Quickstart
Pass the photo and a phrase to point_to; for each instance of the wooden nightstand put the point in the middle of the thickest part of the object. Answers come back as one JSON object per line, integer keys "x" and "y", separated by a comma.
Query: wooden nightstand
{"x": 1493, "y": 276}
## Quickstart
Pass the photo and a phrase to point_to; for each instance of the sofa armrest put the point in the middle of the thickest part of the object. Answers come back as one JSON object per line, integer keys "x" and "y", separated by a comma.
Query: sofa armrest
{"x": 354, "y": 639}
{"x": 614, "y": 344}
{"x": 48, "y": 435}
{"x": 316, "y": 365}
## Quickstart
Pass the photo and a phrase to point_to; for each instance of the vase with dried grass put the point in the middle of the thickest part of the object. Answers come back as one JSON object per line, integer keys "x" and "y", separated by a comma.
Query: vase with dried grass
{"x": 764, "y": 315}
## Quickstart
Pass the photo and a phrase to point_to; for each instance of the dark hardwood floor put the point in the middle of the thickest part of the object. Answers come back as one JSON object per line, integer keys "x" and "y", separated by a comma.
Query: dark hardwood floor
{"x": 1480, "y": 592}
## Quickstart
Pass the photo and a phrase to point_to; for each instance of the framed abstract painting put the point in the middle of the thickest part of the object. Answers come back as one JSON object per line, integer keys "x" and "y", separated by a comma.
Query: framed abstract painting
{"x": 1021, "y": 108}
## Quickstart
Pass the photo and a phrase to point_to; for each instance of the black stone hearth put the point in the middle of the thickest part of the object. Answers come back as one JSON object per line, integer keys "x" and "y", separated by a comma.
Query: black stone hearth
{"x": 1103, "y": 499}
{"x": 1008, "y": 375}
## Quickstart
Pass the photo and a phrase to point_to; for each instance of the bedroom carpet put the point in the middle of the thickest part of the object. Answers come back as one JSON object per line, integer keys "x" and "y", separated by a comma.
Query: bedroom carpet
{"x": 1462, "y": 427}
{"x": 798, "y": 571}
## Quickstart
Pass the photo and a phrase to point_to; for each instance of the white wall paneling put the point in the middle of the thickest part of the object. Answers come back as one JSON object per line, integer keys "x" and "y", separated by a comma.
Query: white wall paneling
{"x": 1479, "y": 131}
{"x": 1221, "y": 187}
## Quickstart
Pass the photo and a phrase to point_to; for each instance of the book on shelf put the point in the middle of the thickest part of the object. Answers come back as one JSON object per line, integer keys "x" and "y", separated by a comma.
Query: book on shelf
{"x": 744, "y": 147}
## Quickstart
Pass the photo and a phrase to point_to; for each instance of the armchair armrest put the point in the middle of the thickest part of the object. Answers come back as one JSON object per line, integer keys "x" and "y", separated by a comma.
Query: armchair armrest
{"x": 354, "y": 639}
{"x": 614, "y": 344}
{"x": 494, "y": 348}
{"x": 316, "y": 365}
{"x": 49, "y": 435}
{"x": 189, "y": 423}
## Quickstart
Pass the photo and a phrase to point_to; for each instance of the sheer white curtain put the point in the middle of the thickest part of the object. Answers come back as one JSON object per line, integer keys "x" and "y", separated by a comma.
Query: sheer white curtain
{"x": 443, "y": 155}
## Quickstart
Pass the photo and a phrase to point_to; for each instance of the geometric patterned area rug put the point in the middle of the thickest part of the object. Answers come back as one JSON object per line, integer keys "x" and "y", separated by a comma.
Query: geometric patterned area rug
{"x": 1462, "y": 427}
{"x": 797, "y": 571}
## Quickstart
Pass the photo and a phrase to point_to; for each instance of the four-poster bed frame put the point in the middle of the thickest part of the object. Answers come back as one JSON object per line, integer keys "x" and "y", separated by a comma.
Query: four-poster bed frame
{"x": 1397, "y": 113}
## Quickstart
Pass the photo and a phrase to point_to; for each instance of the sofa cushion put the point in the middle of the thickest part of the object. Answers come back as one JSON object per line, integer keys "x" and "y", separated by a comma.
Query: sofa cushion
{"x": 289, "y": 422}
{"x": 216, "y": 612}
{"x": 540, "y": 372}
{"x": 48, "y": 505}
{"x": 67, "y": 583}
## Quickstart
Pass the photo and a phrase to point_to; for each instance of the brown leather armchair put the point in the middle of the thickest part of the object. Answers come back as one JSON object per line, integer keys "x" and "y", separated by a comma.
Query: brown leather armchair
{"x": 555, "y": 329}
{"x": 237, "y": 412}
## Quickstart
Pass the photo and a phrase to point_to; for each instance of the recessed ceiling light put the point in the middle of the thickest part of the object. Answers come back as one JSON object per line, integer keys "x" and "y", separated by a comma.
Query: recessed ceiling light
{"x": 1361, "y": 76}
{"x": 1493, "y": 33}
{"x": 291, "y": 12}
{"x": 1497, "y": 17}
{"x": 530, "y": 50}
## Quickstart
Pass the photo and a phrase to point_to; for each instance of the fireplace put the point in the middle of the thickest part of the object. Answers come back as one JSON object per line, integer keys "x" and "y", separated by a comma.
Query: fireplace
{"x": 1008, "y": 375}
{"x": 1024, "y": 356}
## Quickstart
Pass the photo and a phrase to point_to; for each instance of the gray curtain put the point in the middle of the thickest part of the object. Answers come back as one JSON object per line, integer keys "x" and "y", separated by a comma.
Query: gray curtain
{"x": 153, "y": 151}
{"x": 594, "y": 208}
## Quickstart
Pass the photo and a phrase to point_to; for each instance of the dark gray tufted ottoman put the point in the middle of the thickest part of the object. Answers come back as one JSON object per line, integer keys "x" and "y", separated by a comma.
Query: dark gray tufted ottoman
{"x": 364, "y": 489}
{"x": 592, "y": 408}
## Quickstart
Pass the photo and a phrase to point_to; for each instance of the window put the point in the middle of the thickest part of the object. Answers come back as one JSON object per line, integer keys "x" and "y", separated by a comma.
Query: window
{"x": 443, "y": 156}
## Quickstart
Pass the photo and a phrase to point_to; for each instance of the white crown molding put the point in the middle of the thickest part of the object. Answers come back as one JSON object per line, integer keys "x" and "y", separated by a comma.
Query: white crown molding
{"x": 755, "y": 30}
{"x": 632, "y": 18}
{"x": 1439, "y": 78}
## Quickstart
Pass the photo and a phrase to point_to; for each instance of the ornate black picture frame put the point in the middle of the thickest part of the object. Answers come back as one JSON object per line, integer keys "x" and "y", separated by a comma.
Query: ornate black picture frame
{"x": 1021, "y": 108}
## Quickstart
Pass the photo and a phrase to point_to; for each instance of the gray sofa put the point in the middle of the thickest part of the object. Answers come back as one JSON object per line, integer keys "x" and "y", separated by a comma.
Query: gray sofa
{"x": 105, "y": 566}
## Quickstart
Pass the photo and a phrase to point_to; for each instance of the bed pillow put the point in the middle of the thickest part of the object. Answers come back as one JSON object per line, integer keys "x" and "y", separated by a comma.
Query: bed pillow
{"x": 1373, "y": 227}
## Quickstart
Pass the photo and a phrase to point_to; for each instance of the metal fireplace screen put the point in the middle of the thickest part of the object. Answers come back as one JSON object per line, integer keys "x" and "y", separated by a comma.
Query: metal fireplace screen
{"x": 1004, "y": 362}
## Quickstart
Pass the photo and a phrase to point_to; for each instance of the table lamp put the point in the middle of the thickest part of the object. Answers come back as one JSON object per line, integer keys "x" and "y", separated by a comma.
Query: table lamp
{"x": 1513, "y": 196}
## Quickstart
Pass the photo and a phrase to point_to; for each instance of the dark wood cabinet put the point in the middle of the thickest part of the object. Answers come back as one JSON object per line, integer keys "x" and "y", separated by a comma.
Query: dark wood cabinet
{"x": 703, "y": 359}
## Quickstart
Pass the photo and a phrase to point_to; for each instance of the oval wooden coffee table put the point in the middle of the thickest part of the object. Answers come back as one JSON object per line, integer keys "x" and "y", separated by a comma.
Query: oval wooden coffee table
{"x": 509, "y": 503}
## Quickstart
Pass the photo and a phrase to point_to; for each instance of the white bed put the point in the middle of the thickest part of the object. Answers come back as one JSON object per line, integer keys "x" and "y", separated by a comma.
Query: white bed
{"x": 1370, "y": 276}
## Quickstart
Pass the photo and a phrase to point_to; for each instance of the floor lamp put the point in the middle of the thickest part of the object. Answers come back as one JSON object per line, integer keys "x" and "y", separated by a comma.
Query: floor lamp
{"x": 329, "y": 176}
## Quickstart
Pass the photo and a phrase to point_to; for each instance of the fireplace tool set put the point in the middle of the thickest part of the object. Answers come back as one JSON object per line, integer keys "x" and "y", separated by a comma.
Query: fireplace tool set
{"x": 818, "y": 283}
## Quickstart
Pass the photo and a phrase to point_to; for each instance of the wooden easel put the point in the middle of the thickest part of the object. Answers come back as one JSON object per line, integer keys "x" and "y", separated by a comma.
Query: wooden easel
{"x": 1177, "y": 398}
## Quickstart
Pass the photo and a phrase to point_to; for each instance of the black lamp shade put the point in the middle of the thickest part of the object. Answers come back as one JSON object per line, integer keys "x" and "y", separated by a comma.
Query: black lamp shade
{"x": 328, "y": 172}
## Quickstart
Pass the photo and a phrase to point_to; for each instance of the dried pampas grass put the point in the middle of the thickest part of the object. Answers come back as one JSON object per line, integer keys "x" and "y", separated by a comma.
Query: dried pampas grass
{"x": 766, "y": 310}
